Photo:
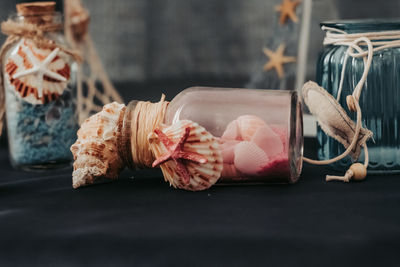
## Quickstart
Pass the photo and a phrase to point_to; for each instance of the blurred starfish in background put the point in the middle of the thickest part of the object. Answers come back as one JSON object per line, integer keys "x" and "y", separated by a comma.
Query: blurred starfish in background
{"x": 288, "y": 10}
{"x": 277, "y": 59}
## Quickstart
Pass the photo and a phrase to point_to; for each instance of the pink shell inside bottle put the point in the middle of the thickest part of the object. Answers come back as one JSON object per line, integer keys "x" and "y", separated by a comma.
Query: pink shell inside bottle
{"x": 259, "y": 132}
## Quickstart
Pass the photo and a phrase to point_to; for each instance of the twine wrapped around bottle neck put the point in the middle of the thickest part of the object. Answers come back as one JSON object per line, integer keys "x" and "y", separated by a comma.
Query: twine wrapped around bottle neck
{"x": 140, "y": 119}
{"x": 33, "y": 21}
{"x": 36, "y": 33}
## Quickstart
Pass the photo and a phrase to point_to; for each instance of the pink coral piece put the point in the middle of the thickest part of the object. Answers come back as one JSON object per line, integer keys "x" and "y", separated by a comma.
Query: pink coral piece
{"x": 268, "y": 141}
{"x": 249, "y": 158}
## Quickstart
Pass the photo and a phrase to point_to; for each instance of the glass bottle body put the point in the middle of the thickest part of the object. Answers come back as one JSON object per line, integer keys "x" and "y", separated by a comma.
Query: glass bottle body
{"x": 378, "y": 101}
{"x": 259, "y": 132}
{"x": 40, "y": 110}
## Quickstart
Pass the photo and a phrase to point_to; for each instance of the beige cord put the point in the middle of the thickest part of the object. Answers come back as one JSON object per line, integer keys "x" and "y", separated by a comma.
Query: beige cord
{"x": 36, "y": 33}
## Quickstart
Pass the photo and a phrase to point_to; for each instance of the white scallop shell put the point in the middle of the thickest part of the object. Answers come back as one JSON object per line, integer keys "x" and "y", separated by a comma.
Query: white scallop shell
{"x": 96, "y": 150}
{"x": 248, "y": 125}
{"x": 268, "y": 141}
{"x": 200, "y": 141}
{"x": 249, "y": 158}
{"x": 227, "y": 148}
{"x": 26, "y": 87}
{"x": 232, "y": 131}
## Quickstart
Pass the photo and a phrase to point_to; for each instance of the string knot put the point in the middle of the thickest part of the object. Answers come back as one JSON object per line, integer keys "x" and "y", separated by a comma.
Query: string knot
{"x": 351, "y": 103}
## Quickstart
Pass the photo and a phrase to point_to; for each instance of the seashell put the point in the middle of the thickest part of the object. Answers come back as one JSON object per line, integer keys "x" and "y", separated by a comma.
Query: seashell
{"x": 282, "y": 132}
{"x": 30, "y": 87}
{"x": 248, "y": 125}
{"x": 249, "y": 158}
{"x": 227, "y": 148}
{"x": 268, "y": 140}
{"x": 96, "y": 150}
{"x": 189, "y": 156}
{"x": 232, "y": 131}
{"x": 229, "y": 171}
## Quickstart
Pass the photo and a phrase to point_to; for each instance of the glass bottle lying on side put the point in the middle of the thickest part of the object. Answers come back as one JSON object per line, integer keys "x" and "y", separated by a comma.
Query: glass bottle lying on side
{"x": 202, "y": 136}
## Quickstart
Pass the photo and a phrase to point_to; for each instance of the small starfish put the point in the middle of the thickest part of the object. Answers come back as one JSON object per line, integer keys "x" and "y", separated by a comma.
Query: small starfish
{"x": 40, "y": 69}
{"x": 176, "y": 153}
{"x": 288, "y": 10}
{"x": 277, "y": 59}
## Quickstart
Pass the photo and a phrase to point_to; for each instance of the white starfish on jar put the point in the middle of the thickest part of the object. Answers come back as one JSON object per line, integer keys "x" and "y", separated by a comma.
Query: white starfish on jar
{"x": 40, "y": 69}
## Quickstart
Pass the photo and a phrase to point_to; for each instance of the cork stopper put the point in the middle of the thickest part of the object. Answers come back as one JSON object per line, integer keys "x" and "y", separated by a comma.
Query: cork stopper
{"x": 36, "y": 8}
{"x": 39, "y": 13}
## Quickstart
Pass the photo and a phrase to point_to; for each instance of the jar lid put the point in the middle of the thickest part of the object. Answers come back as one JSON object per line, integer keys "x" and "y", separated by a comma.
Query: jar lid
{"x": 363, "y": 25}
{"x": 36, "y": 8}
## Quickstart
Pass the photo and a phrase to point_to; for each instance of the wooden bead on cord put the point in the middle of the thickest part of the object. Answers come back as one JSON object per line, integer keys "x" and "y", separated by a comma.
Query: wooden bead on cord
{"x": 359, "y": 171}
{"x": 356, "y": 172}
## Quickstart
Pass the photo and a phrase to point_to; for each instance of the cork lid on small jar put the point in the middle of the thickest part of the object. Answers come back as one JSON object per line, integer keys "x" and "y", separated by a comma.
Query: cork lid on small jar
{"x": 39, "y": 13}
{"x": 36, "y": 8}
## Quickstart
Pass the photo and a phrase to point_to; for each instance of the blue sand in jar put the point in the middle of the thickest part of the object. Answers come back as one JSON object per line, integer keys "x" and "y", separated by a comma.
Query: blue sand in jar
{"x": 41, "y": 134}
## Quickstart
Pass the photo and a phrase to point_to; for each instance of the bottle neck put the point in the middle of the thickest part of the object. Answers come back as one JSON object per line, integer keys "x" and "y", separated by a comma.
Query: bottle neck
{"x": 124, "y": 135}
{"x": 139, "y": 120}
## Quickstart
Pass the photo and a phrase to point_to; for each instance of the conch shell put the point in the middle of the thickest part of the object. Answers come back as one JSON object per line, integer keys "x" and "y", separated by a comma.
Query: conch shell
{"x": 96, "y": 150}
{"x": 27, "y": 87}
{"x": 189, "y": 156}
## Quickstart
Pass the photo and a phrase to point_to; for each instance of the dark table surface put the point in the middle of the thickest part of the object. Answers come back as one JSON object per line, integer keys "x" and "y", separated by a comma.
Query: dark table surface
{"x": 140, "y": 220}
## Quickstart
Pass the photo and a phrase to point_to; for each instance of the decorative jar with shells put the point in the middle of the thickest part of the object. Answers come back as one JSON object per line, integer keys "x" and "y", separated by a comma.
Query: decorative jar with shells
{"x": 40, "y": 83}
{"x": 204, "y": 135}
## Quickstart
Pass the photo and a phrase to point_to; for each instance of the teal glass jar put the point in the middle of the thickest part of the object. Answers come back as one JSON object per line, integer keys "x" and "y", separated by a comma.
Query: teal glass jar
{"x": 379, "y": 100}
